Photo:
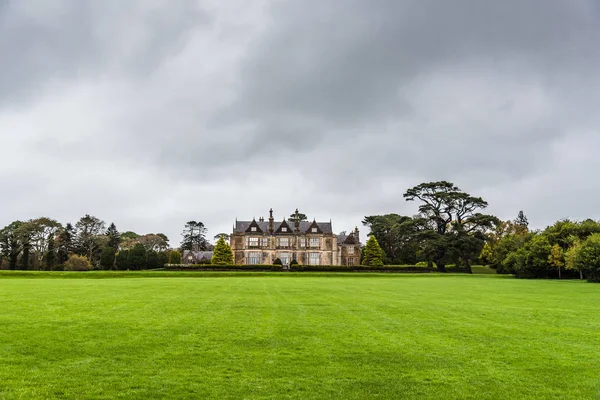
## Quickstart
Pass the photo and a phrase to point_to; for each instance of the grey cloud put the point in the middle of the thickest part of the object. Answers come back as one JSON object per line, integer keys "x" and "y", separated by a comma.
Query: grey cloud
{"x": 158, "y": 112}
{"x": 49, "y": 41}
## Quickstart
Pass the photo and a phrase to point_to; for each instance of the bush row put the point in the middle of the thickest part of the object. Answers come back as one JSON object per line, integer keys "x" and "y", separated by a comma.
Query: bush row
{"x": 300, "y": 268}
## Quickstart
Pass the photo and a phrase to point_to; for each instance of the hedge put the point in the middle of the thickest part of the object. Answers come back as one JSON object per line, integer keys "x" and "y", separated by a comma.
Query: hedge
{"x": 301, "y": 268}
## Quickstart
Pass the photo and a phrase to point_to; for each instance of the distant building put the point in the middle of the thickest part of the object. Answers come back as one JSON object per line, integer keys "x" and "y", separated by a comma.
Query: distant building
{"x": 309, "y": 243}
{"x": 196, "y": 257}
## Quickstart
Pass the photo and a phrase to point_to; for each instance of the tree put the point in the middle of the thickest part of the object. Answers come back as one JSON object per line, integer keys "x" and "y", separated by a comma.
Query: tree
{"x": 78, "y": 263}
{"x": 114, "y": 237}
{"x": 36, "y": 233}
{"x": 373, "y": 253}
{"x": 531, "y": 260}
{"x": 25, "y": 253}
{"x": 123, "y": 260}
{"x": 571, "y": 257}
{"x": 128, "y": 240}
{"x": 10, "y": 243}
{"x": 174, "y": 257}
{"x": 65, "y": 243}
{"x": 222, "y": 254}
{"x": 194, "y": 237}
{"x": 455, "y": 218}
{"x": 521, "y": 222}
{"x": 138, "y": 257}
{"x": 152, "y": 259}
{"x": 154, "y": 242}
{"x": 487, "y": 254}
{"x": 222, "y": 235}
{"x": 50, "y": 258}
{"x": 163, "y": 258}
{"x": 87, "y": 237}
{"x": 107, "y": 258}
{"x": 556, "y": 258}
{"x": 297, "y": 216}
{"x": 398, "y": 236}
{"x": 588, "y": 257}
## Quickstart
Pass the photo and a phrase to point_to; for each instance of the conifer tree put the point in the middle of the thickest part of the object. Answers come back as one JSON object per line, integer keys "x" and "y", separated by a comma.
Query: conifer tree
{"x": 522, "y": 221}
{"x": 114, "y": 237}
{"x": 174, "y": 257}
{"x": 50, "y": 257}
{"x": 373, "y": 254}
{"x": 222, "y": 254}
{"x": 107, "y": 258}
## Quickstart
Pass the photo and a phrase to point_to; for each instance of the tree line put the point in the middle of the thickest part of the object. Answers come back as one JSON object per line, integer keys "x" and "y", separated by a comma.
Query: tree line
{"x": 450, "y": 228}
{"x": 46, "y": 244}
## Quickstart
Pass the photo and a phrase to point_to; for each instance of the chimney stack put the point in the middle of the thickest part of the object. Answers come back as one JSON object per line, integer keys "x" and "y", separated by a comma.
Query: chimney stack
{"x": 271, "y": 222}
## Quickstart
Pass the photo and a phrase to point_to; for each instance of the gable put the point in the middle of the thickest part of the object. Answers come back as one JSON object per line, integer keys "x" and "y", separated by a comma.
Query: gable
{"x": 284, "y": 228}
{"x": 314, "y": 228}
{"x": 254, "y": 227}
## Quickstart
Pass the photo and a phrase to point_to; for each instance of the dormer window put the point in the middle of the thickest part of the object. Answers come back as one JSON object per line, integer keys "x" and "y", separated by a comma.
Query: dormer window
{"x": 284, "y": 229}
{"x": 253, "y": 229}
{"x": 314, "y": 230}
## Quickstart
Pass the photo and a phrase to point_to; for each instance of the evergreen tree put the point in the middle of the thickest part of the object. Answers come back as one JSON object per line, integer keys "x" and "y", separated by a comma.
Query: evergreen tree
{"x": 51, "y": 253}
{"x": 521, "y": 221}
{"x": 174, "y": 257}
{"x": 194, "y": 237}
{"x": 25, "y": 255}
{"x": 107, "y": 258}
{"x": 152, "y": 259}
{"x": 163, "y": 258}
{"x": 65, "y": 243}
{"x": 222, "y": 254}
{"x": 123, "y": 260}
{"x": 373, "y": 255}
{"x": 138, "y": 257}
{"x": 114, "y": 237}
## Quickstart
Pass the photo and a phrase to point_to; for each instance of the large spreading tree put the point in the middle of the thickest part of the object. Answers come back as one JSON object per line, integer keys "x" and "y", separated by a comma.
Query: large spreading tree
{"x": 457, "y": 230}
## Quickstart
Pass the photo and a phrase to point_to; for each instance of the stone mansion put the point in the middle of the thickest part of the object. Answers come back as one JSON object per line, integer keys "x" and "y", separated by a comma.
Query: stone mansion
{"x": 309, "y": 243}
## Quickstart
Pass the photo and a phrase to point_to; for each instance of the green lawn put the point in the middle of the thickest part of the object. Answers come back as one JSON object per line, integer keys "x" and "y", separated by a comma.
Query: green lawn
{"x": 276, "y": 336}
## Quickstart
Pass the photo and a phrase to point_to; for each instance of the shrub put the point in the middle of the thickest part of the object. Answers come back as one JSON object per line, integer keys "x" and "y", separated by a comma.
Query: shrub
{"x": 294, "y": 262}
{"x": 78, "y": 263}
{"x": 277, "y": 262}
{"x": 425, "y": 264}
{"x": 588, "y": 256}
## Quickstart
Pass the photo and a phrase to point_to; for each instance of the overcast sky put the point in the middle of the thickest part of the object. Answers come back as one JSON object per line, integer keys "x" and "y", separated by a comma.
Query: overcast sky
{"x": 151, "y": 113}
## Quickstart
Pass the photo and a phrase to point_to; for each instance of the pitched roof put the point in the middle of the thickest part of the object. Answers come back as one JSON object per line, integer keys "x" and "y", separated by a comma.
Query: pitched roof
{"x": 347, "y": 239}
{"x": 198, "y": 255}
{"x": 242, "y": 226}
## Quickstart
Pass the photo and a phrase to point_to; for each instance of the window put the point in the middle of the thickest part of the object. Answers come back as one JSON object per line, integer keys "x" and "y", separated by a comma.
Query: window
{"x": 350, "y": 250}
{"x": 253, "y": 258}
{"x": 285, "y": 258}
{"x": 253, "y": 229}
{"x": 284, "y": 229}
{"x": 302, "y": 242}
{"x": 265, "y": 242}
{"x": 253, "y": 242}
{"x": 314, "y": 230}
{"x": 314, "y": 242}
{"x": 351, "y": 261}
{"x": 314, "y": 259}
{"x": 284, "y": 242}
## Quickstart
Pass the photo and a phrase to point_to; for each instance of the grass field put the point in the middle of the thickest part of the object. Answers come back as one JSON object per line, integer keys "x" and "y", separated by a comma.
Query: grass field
{"x": 300, "y": 336}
